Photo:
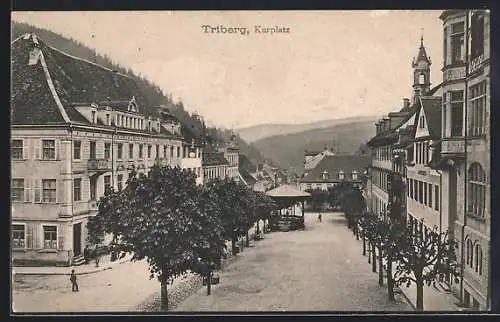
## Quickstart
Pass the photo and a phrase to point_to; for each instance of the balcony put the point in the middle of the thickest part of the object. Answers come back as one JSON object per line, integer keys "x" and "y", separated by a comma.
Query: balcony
{"x": 453, "y": 73}
{"x": 98, "y": 166}
{"x": 453, "y": 147}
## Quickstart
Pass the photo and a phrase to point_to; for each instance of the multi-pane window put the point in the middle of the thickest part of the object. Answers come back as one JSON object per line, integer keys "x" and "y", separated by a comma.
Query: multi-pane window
{"x": 478, "y": 264}
{"x": 477, "y": 106}
{"x": 341, "y": 175}
{"x": 108, "y": 120}
{"x": 436, "y": 197}
{"x": 107, "y": 151}
{"x": 120, "y": 182}
{"x": 17, "y": 149}
{"x": 119, "y": 151}
{"x": 141, "y": 150}
{"x": 17, "y": 190}
{"x": 457, "y": 43}
{"x": 93, "y": 150}
{"x": 49, "y": 190}
{"x": 107, "y": 182}
{"x": 157, "y": 151}
{"x": 77, "y": 189}
{"x": 131, "y": 151}
{"x": 354, "y": 175}
{"x": 425, "y": 193}
{"x": 477, "y": 35}
{"x": 171, "y": 151}
{"x": 49, "y": 149}
{"x": 477, "y": 190}
{"x": 178, "y": 151}
{"x": 93, "y": 116}
{"x": 93, "y": 188}
{"x": 445, "y": 45}
{"x": 18, "y": 236}
{"x": 444, "y": 114}
{"x": 469, "y": 254}
{"x": 457, "y": 112}
{"x": 77, "y": 150}
{"x": 149, "y": 151}
{"x": 430, "y": 204}
{"x": 50, "y": 237}
{"x": 165, "y": 151}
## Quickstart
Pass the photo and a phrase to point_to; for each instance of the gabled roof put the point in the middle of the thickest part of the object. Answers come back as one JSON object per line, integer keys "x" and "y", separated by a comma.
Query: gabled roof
{"x": 432, "y": 109}
{"x": 431, "y": 105}
{"x": 334, "y": 164}
{"x": 44, "y": 91}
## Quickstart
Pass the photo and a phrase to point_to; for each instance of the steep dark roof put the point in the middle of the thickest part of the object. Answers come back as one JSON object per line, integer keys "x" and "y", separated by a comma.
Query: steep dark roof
{"x": 334, "y": 163}
{"x": 31, "y": 99}
{"x": 247, "y": 177}
{"x": 312, "y": 153}
{"x": 210, "y": 158}
{"x": 432, "y": 110}
{"x": 74, "y": 81}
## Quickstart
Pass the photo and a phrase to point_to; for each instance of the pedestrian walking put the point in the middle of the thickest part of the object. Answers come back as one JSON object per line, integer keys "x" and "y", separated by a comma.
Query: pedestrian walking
{"x": 96, "y": 255}
{"x": 74, "y": 283}
{"x": 319, "y": 217}
{"x": 86, "y": 254}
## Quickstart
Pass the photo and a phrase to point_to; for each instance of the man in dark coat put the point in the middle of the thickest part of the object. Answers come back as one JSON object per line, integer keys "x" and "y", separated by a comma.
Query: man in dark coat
{"x": 74, "y": 283}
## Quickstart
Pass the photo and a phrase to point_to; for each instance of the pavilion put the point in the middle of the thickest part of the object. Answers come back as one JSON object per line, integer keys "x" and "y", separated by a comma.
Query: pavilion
{"x": 287, "y": 195}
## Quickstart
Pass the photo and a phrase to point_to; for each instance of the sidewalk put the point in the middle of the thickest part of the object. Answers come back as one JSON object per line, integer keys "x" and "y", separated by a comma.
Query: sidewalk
{"x": 104, "y": 264}
{"x": 434, "y": 300}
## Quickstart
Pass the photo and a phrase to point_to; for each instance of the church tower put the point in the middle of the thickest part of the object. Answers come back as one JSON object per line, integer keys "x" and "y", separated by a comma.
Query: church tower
{"x": 421, "y": 72}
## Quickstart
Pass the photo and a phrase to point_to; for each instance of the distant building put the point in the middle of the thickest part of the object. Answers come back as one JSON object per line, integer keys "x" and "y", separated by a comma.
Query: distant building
{"x": 215, "y": 165}
{"x": 333, "y": 169}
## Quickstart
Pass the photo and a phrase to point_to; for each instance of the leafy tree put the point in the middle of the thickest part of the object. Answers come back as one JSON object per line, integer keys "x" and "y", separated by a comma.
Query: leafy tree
{"x": 318, "y": 198}
{"x": 424, "y": 258}
{"x": 153, "y": 219}
{"x": 229, "y": 195}
{"x": 209, "y": 243}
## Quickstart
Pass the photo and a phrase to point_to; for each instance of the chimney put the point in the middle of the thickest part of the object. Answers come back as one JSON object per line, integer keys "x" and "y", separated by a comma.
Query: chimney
{"x": 406, "y": 103}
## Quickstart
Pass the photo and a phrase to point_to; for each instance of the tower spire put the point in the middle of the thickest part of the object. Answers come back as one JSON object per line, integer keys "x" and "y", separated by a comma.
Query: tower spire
{"x": 422, "y": 38}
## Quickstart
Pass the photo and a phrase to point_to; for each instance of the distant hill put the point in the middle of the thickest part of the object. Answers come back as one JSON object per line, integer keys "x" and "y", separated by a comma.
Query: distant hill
{"x": 257, "y": 132}
{"x": 151, "y": 91}
{"x": 288, "y": 150}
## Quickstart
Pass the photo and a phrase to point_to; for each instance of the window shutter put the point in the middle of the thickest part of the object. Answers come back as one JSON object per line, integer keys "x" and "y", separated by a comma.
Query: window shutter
{"x": 27, "y": 190}
{"x": 60, "y": 191}
{"x": 60, "y": 240}
{"x": 38, "y": 190}
{"x": 37, "y": 147}
{"x": 29, "y": 237}
{"x": 26, "y": 149}
{"x": 57, "y": 144}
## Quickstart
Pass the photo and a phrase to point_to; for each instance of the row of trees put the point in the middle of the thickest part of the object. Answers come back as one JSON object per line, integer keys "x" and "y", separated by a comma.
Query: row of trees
{"x": 176, "y": 225}
{"x": 411, "y": 254}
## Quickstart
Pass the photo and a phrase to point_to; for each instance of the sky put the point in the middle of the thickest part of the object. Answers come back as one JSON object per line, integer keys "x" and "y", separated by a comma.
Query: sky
{"x": 325, "y": 65}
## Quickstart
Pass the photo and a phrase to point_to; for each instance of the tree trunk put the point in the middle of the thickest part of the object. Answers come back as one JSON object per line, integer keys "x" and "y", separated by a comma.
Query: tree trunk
{"x": 164, "y": 295}
{"x": 357, "y": 231}
{"x": 369, "y": 252}
{"x": 364, "y": 245}
{"x": 380, "y": 267}
{"x": 209, "y": 283}
{"x": 374, "y": 259}
{"x": 390, "y": 281}
{"x": 420, "y": 294}
{"x": 233, "y": 245}
{"x": 247, "y": 240}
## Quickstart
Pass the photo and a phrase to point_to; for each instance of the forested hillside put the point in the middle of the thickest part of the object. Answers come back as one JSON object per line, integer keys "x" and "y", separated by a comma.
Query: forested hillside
{"x": 153, "y": 94}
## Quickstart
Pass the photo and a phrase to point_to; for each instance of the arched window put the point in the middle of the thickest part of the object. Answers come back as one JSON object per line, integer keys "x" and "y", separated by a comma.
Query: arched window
{"x": 477, "y": 190}
{"x": 469, "y": 255}
{"x": 478, "y": 253}
{"x": 421, "y": 79}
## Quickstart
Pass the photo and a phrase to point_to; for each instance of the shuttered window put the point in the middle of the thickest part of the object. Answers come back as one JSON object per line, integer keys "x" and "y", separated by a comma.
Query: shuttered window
{"x": 17, "y": 148}
{"x": 18, "y": 235}
{"x": 17, "y": 190}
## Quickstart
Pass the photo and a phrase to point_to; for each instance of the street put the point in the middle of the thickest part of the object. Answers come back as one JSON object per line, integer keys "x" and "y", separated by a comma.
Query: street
{"x": 320, "y": 268}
